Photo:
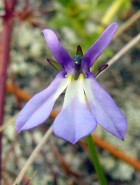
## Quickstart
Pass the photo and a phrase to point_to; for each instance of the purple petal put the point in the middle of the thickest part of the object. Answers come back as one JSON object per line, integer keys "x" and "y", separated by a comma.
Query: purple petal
{"x": 38, "y": 109}
{"x": 75, "y": 120}
{"x": 58, "y": 51}
{"x": 103, "y": 107}
{"x": 99, "y": 46}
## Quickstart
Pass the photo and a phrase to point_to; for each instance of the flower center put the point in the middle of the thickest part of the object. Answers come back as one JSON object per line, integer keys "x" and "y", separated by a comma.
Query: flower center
{"x": 77, "y": 60}
{"x": 77, "y": 69}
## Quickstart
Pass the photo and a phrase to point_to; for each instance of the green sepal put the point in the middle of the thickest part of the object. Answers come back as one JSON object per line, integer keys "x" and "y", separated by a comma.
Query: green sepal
{"x": 79, "y": 51}
{"x": 54, "y": 64}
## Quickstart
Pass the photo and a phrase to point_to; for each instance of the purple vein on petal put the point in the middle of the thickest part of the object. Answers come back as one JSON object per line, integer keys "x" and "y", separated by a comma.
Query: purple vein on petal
{"x": 99, "y": 46}
{"x": 38, "y": 109}
{"x": 60, "y": 54}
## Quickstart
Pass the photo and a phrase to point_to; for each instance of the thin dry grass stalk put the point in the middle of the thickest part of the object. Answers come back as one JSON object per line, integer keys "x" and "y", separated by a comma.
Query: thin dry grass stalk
{"x": 122, "y": 51}
{"x": 127, "y": 24}
{"x": 33, "y": 156}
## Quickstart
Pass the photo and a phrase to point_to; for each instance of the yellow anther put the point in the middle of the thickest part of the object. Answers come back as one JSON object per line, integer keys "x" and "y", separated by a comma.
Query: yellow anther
{"x": 70, "y": 77}
{"x": 81, "y": 77}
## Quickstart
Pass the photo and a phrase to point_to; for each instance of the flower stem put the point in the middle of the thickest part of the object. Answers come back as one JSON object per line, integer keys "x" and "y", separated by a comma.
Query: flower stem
{"x": 95, "y": 160}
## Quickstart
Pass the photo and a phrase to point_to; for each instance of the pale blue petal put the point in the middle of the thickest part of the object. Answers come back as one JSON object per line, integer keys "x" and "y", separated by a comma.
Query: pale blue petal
{"x": 105, "y": 110}
{"x": 99, "y": 46}
{"x": 75, "y": 120}
{"x": 38, "y": 109}
{"x": 58, "y": 51}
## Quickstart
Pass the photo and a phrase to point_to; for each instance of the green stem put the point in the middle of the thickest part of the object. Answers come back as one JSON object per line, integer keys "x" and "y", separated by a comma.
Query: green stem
{"x": 95, "y": 160}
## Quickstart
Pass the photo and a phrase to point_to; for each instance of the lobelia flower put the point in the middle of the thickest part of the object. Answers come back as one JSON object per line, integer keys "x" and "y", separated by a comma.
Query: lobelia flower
{"x": 86, "y": 103}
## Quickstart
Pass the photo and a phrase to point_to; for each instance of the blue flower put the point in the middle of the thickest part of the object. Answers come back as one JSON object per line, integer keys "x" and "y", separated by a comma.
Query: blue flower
{"x": 86, "y": 103}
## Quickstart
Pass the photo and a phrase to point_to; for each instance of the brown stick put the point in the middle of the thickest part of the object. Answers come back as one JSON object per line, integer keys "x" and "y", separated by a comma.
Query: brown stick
{"x": 116, "y": 152}
{"x": 23, "y": 95}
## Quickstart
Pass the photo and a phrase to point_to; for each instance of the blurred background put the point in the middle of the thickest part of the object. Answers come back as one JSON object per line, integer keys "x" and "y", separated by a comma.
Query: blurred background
{"x": 76, "y": 22}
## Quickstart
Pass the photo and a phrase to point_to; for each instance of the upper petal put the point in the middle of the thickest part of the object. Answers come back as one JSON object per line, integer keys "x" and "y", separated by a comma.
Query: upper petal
{"x": 99, "y": 46}
{"x": 38, "y": 109}
{"x": 75, "y": 120}
{"x": 58, "y": 51}
{"x": 104, "y": 109}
